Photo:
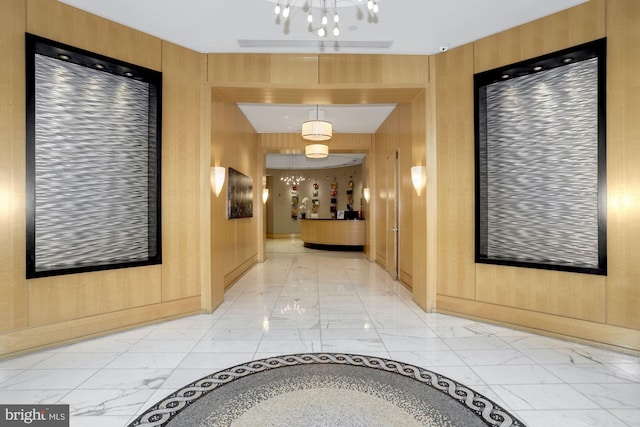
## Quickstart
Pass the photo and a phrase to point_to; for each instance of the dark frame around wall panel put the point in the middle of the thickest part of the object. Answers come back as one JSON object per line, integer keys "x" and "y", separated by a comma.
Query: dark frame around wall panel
{"x": 540, "y": 162}
{"x": 93, "y": 161}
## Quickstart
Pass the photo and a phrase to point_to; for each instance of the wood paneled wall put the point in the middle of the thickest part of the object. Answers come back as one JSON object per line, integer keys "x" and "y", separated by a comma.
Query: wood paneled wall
{"x": 598, "y": 308}
{"x": 396, "y": 135}
{"x": 299, "y": 69}
{"x": 455, "y": 192}
{"x": 373, "y": 69}
{"x": 13, "y": 303}
{"x": 181, "y": 182}
{"x": 623, "y": 160}
{"x": 292, "y": 71}
{"x": 317, "y": 79}
{"x": 571, "y": 27}
{"x": 52, "y": 310}
{"x": 423, "y": 206}
{"x": 234, "y": 242}
{"x": 405, "y": 195}
{"x": 204, "y": 252}
{"x": 383, "y": 193}
{"x": 57, "y": 21}
{"x": 339, "y": 79}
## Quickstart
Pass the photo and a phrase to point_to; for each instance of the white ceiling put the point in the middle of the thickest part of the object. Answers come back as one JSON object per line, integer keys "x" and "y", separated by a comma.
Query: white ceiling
{"x": 417, "y": 27}
{"x": 287, "y": 118}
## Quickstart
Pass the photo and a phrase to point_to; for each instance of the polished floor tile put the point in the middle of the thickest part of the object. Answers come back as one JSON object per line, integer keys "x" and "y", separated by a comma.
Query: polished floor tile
{"x": 301, "y": 300}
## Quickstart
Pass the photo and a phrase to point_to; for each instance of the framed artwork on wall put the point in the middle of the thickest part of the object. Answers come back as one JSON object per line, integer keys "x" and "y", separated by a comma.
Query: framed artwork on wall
{"x": 93, "y": 161}
{"x": 540, "y": 131}
{"x": 240, "y": 200}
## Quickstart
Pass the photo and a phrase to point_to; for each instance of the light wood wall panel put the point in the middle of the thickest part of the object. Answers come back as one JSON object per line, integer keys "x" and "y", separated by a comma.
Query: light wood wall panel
{"x": 382, "y": 69}
{"x": 13, "y": 291}
{"x": 432, "y": 233}
{"x": 25, "y": 340}
{"x": 573, "y": 295}
{"x": 405, "y": 196}
{"x": 379, "y": 201}
{"x": 299, "y": 69}
{"x": 61, "y": 298}
{"x": 421, "y": 237}
{"x": 182, "y": 82}
{"x": 454, "y": 116}
{"x": 343, "y": 69}
{"x": 623, "y": 160}
{"x": 217, "y": 213}
{"x": 400, "y": 70}
{"x": 308, "y": 70}
{"x": 387, "y": 136}
{"x": 386, "y": 142}
{"x": 542, "y": 323}
{"x": 210, "y": 296}
{"x": 395, "y": 134}
{"x": 333, "y": 232}
{"x": 329, "y": 94}
{"x": 234, "y": 243}
{"x": 368, "y": 180}
{"x": 238, "y": 68}
{"x": 577, "y": 25}
{"x": 57, "y": 21}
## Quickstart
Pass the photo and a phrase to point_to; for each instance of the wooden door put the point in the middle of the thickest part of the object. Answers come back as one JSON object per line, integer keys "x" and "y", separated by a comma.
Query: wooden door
{"x": 392, "y": 214}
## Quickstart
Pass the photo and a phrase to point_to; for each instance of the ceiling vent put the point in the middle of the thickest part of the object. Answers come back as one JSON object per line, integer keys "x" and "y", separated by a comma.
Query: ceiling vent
{"x": 316, "y": 44}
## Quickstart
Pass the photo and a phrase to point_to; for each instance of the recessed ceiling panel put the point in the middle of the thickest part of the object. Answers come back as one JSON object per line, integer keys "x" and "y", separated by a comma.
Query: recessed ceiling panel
{"x": 280, "y": 118}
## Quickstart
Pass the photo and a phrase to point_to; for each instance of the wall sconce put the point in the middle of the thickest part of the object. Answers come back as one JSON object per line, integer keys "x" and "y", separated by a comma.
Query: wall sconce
{"x": 217, "y": 178}
{"x": 265, "y": 195}
{"x": 419, "y": 178}
{"x": 366, "y": 193}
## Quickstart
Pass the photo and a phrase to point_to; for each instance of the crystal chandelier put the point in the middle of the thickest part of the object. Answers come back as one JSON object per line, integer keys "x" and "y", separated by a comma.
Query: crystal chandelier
{"x": 292, "y": 177}
{"x": 320, "y": 8}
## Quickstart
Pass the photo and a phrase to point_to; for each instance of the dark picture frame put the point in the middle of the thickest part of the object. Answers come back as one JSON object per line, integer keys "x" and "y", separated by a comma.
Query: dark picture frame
{"x": 540, "y": 162}
{"x": 240, "y": 197}
{"x": 93, "y": 157}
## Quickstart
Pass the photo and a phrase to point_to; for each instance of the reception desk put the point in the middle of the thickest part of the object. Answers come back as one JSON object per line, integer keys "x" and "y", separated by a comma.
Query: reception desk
{"x": 340, "y": 234}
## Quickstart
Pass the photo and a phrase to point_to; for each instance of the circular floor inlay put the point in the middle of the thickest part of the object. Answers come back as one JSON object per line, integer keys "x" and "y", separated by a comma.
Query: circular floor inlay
{"x": 309, "y": 407}
{"x": 326, "y": 390}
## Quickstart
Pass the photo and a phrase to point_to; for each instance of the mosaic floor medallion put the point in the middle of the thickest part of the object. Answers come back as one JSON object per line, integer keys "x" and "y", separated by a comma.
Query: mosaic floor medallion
{"x": 323, "y": 389}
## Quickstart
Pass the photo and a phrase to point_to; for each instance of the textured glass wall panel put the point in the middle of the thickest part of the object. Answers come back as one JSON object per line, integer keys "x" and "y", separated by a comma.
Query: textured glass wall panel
{"x": 93, "y": 170}
{"x": 540, "y": 178}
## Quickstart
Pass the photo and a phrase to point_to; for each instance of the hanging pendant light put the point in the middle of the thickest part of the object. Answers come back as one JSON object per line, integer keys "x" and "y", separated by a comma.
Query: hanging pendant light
{"x": 316, "y": 151}
{"x": 317, "y": 130}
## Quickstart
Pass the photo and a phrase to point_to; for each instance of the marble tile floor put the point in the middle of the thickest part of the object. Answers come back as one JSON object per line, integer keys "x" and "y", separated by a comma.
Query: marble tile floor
{"x": 304, "y": 300}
